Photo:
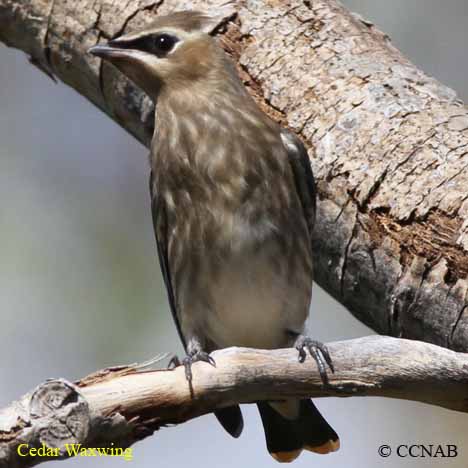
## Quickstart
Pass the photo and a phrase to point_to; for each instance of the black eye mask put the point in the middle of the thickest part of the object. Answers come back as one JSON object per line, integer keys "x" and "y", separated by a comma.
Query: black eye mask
{"x": 157, "y": 44}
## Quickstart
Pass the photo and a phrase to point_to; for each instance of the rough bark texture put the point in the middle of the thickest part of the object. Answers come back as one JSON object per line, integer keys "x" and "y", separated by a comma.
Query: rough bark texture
{"x": 388, "y": 144}
{"x": 123, "y": 405}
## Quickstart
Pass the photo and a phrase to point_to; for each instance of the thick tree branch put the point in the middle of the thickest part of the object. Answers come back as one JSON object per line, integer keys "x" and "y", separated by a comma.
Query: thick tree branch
{"x": 124, "y": 405}
{"x": 389, "y": 145}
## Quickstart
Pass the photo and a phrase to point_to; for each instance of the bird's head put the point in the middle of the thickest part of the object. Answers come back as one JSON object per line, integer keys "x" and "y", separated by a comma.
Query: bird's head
{"x": 174, "y": 52}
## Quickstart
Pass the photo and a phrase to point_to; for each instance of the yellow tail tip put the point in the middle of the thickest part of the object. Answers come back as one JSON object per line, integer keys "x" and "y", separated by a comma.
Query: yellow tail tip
{"x": 286, "y": 457}
{"x": 327, "y": 447}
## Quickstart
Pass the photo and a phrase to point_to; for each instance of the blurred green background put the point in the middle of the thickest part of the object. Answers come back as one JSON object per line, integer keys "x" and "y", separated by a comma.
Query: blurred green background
{"x": 80, "y": 281}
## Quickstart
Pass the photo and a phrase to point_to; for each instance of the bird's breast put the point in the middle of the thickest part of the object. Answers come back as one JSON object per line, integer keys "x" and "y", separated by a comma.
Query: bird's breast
{"x": 241, "y": 281}
{"x": 238, "y": 246}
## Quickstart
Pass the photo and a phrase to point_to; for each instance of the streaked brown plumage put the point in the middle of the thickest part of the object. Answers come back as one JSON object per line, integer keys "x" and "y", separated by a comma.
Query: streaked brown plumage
{"x": 233, "y": 203}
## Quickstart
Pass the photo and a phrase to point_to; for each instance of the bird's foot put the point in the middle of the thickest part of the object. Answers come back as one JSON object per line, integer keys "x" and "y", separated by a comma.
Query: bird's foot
{"x": 318, "y": 351}
{"x": 188, "y": 360}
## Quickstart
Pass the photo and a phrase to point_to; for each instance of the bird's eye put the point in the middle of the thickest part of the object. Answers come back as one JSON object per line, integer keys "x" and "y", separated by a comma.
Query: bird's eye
{"x": 163, "y": 44}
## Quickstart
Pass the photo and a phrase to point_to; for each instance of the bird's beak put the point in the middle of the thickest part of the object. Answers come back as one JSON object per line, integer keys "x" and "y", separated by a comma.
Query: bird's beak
{"x": 113, "y": 49}
{"x": 135, "y": 64}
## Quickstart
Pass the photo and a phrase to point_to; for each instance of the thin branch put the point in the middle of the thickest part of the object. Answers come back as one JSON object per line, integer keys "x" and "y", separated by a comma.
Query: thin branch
{"x": 119, "y": 406}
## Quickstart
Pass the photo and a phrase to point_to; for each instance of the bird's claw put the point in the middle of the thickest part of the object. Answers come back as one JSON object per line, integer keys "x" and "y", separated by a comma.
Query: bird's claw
{"x": 188, "y": 360}
{"x": 174, "y": 362}
{"x": 318, "y": 351}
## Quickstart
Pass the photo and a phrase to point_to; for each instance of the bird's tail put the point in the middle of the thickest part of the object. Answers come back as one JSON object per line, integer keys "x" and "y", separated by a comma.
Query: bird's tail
{"x": 293, "y": 426}
{"x": 231, "y": 419}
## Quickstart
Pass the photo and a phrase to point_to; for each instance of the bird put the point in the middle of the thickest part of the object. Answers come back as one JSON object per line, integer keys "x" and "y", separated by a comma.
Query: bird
{"x": 233, "y": 202}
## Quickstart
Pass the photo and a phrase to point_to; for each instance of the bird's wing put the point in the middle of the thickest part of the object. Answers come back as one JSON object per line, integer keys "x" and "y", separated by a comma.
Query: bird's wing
{"x": 303, "y": 176}
{"x": 160, "y": 231}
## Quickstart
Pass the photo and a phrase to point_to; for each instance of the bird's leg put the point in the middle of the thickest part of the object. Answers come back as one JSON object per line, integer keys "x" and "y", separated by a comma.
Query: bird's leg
{"x": 194, "y": 353}
{"x": 318, "y": 351}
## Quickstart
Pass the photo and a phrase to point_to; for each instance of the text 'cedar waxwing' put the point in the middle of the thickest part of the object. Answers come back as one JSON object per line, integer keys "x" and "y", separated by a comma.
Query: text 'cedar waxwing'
{"x": 233, "y": 202}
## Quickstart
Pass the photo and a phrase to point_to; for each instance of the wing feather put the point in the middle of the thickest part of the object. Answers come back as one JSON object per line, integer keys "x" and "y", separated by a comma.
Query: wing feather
{"x": 303, "y": 176}
{"x": 160, "y": 231}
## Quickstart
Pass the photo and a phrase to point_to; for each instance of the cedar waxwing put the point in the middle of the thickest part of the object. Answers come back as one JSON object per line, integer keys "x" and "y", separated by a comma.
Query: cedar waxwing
{"x": 233, "y": 203}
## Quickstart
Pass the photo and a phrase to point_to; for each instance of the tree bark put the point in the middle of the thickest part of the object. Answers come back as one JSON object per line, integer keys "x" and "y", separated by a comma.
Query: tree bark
{"x": 388, "y": 144}
{"x": 117, "y": 407}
